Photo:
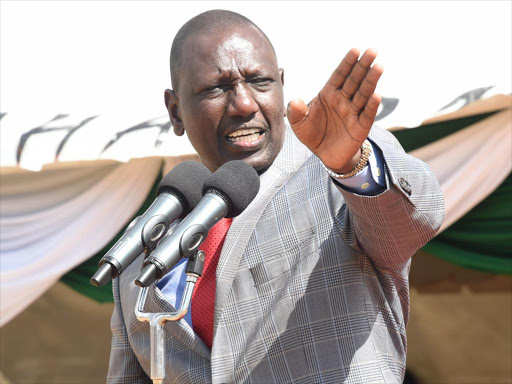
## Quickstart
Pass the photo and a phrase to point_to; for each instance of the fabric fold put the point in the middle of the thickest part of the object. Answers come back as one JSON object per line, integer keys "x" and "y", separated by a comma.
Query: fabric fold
{"x": 65, "y": 228}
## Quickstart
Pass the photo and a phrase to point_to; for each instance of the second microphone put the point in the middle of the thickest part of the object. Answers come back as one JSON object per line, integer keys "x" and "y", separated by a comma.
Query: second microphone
{"x": 226, "y": 193}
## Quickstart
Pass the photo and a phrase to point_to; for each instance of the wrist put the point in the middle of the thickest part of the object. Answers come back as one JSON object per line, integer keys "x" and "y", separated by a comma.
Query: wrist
{"x": 350, "y": 165}
{"x": 365, "y": 152}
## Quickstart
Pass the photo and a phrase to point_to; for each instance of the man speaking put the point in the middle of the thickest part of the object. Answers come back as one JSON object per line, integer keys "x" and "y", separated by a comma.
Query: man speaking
{"x": 310, "y": 283}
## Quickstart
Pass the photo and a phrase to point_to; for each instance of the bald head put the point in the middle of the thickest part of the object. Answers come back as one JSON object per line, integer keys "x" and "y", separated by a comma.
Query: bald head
{"x": 205, "y": 23}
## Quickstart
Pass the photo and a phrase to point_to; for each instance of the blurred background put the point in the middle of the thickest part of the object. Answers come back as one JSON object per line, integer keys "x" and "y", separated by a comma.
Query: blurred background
{"x": 85, "y": 139}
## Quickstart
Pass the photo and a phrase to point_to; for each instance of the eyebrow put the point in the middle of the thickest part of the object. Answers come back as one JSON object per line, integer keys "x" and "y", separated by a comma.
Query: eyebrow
{"x": 226, "y": 74}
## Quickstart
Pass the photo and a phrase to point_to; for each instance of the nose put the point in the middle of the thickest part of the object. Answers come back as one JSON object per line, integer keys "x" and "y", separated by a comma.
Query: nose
{"x": 241, "y": 102}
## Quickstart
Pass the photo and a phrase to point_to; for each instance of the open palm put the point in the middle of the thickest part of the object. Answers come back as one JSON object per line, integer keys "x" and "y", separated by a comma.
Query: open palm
{"x": 337, "y": 121}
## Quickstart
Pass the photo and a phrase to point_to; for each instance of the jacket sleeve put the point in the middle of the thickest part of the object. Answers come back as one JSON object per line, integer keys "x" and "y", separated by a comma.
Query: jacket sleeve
{"x": 124, "y": 368}
{"x": 391, "y": 226}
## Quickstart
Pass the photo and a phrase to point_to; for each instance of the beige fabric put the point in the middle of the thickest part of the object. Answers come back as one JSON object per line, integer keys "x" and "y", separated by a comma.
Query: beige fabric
{"x": 471, "y": 163}
{"x": 460, "y": 325}
{"x": 62, "y": 338}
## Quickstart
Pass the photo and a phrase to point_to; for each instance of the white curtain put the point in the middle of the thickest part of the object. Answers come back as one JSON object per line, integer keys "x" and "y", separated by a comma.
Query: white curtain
{"x": 55, "y": 219}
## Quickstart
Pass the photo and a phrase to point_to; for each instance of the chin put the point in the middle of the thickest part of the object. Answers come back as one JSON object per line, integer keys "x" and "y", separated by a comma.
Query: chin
{"x": 260, "y": 165}
{"x": 262, "y": 169}
{"x": 263, "y": 160}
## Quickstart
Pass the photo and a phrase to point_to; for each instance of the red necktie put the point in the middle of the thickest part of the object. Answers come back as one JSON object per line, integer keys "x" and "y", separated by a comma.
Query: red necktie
{"x": 203, "y": 299}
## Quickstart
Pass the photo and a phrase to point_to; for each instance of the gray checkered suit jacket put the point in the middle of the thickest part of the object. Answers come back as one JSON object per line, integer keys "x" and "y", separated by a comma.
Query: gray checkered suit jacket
{"x": 312, "y": 282}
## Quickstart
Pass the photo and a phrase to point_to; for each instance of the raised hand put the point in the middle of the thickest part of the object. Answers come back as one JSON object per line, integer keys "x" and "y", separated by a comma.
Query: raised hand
{"x": 337, "y": 121}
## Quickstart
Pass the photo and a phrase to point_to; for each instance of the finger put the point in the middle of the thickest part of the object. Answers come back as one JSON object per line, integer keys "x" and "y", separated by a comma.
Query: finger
{"x": 339, "y": 75}
{"x": 358, "y": 73}
{"x": 367, "y": 88}
{"x": 297, "y": 112}
{"x": 367, "y": 117}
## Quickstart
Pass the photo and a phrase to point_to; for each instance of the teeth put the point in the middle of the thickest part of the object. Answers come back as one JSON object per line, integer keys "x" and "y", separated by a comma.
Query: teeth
{"x": 245, "y": 139}
{"x": 242, "y": 132}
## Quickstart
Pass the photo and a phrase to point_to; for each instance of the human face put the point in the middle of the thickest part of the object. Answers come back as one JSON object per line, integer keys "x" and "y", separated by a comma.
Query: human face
{"x": 230, "y": 98}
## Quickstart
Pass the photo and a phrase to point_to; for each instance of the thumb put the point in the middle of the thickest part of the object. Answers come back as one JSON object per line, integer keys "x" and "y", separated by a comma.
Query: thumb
{"x": 297, "y": 112}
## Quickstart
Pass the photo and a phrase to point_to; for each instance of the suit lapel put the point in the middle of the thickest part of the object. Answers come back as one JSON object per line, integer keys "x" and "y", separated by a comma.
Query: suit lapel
{"x": 236, "y": 241}
{"x": 291, "y": 157}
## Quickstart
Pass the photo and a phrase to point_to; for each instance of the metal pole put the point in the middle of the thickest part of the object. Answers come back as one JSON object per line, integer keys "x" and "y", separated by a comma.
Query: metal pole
{"x": 157, "y": 320}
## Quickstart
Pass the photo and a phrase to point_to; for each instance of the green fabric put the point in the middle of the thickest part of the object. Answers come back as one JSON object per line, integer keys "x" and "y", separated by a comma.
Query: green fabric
{"x": 79, "y": 277}
{"x": 481, "y": 239}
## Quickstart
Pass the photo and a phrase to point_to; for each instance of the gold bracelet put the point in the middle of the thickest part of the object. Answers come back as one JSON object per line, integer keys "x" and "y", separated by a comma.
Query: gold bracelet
{"x": 366, "y": 151}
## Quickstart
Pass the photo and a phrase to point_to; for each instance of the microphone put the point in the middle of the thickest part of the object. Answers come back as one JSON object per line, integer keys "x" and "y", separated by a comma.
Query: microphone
{"x": 178, "y": 193}
{"x": 227, "y": 193}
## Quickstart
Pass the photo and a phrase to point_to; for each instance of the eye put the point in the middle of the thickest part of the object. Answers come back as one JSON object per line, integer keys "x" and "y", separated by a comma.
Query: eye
{"x": 217, "y": 88}
{"x": 260, "y": 81}
{"x": 213, "y": 87}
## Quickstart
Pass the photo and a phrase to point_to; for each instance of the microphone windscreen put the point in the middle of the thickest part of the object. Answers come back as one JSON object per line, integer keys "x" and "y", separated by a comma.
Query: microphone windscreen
{"x": 237, "y": 182}
{"x": 185, "y": 181}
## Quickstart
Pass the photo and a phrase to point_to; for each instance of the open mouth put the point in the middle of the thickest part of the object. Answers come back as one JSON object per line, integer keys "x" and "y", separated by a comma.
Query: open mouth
{"x": 246, "y": 136}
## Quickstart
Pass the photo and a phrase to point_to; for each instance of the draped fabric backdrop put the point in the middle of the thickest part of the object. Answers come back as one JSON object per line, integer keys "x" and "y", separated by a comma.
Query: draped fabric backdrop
{"x": 69, "y": 214}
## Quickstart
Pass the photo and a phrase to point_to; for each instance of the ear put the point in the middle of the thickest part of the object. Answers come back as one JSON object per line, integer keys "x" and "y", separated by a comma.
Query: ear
{"x": 172, "y": 104}
{"x": 281, "y": 74}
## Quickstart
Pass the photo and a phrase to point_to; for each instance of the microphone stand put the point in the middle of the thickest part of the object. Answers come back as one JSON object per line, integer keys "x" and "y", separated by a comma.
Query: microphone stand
{"x": 157, "y": 321}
